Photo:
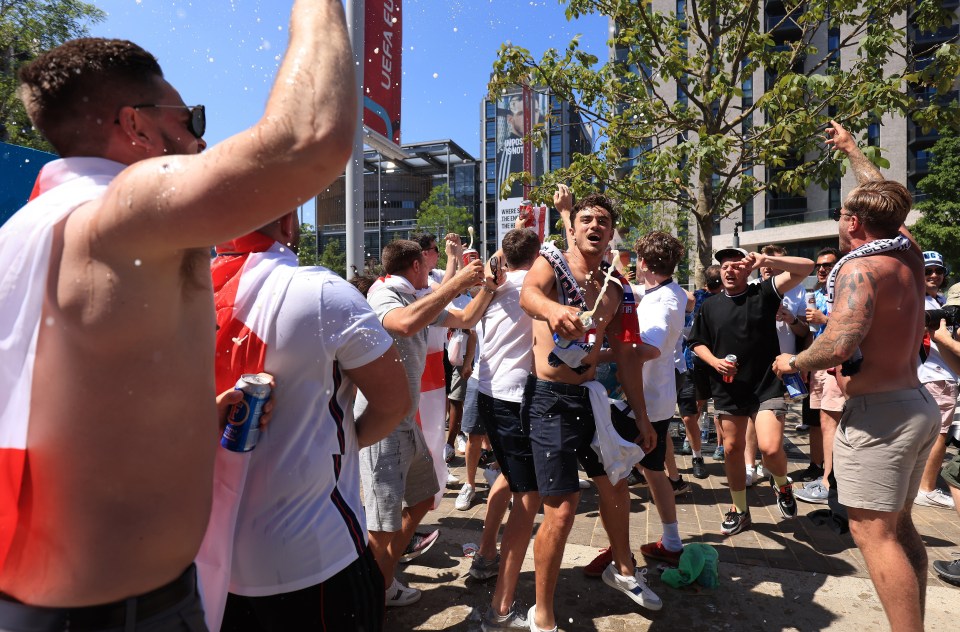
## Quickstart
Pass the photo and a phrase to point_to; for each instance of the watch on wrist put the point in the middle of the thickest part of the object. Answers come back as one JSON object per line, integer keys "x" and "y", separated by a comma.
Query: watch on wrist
{"x": 792, "y": 363}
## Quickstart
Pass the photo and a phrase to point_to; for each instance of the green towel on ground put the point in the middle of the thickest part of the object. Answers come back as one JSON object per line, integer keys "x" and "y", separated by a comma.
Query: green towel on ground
{"x": 698, "y": 563}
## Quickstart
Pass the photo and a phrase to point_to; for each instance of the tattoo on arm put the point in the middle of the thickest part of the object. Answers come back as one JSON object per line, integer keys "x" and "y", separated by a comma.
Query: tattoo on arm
{"x": 863, "y": 169}
{"x": 854, "y": 306}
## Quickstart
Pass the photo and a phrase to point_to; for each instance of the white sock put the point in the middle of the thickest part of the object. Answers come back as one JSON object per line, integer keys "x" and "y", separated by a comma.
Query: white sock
{"x": 696, "y": 454}
{"x": 671, "y": 537}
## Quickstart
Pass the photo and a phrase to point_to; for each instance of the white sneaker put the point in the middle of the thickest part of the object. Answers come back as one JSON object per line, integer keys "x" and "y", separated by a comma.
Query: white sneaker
{"x": 760, "y": 474}
{"x": 452, "y": 480}
{"x": 465, "y": 497}
{"x": 750, "y": 472}
{"x": 634, "y": 587}
{"x": 448, "y": 453}
{"x": 531, "y": 620}
{"x": 460, "y": 443}
{"x": 491, "y": 475}
{"x": 400, "y": 595}
{"x": 936, "y": 498}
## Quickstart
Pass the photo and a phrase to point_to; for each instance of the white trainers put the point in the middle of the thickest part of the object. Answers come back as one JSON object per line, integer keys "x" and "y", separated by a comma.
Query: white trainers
{"x": 531, "y": 620}
{"x": 634, "y": 587}
{"x": 936, "y": 498}
{"x": 460, "y": 443}
{"x": 400, "y": 595}
{"x": 465, "y": 497}
{"x": 452, "y": 480}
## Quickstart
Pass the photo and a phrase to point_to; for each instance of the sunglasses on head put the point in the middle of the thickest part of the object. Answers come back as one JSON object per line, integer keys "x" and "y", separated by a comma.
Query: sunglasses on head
{"x": 196, "y": 124}
{"x": 934, "y": 270}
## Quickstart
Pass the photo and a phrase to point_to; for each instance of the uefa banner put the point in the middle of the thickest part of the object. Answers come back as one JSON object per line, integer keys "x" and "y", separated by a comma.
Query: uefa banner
{"x": 518, "y": 112}
{"x": 383, "y": 46}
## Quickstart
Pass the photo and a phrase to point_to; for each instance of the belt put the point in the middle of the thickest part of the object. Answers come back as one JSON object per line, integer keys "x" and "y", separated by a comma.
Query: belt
{"x": 116, "y": 614}
{"x": 574, "y": 390}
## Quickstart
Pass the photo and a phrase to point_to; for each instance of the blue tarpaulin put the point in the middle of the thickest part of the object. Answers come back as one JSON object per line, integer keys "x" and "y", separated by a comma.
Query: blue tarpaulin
{"x": 19, "y": 167}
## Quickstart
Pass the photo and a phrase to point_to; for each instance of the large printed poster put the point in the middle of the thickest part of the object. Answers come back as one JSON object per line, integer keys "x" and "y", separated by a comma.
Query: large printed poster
{"x": 518, "y": 112}
{"x": 383, "y": 45}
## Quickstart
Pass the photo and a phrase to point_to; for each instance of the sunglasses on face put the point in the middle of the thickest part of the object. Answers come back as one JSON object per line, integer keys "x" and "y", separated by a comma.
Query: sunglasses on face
{"x": 196, "y": 124}
{"x": 932, "y": 271}
{"x": 824, "y": 266}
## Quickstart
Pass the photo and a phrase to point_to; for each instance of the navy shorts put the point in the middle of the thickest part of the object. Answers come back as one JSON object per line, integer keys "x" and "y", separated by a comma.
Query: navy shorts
{"x": 560, "y": 422}
{"x": 686, "y": 394}
{"x": 626, "y": 427}
{"x": 510, "y": 442}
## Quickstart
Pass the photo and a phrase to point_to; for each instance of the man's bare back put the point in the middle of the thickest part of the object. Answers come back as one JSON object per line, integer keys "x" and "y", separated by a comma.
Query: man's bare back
{"x": 123, "y": 427}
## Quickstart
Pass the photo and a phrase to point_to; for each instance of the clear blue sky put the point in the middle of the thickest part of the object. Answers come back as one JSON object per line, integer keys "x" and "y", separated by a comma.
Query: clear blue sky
{"x": 224, "y": 53}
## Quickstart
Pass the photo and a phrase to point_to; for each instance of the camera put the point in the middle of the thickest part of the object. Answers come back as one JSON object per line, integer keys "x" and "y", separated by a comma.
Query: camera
{"x": 949, "y": 313}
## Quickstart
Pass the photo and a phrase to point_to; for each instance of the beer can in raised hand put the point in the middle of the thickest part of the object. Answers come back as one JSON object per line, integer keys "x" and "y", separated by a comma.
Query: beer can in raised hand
{"x": 243, "y": 419}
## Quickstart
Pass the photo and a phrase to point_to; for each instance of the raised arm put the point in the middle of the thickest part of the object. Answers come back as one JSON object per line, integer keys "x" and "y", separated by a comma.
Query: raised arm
{"x": 795, "y": 270}
{"x": 841, "y": 139}
{"x": 406, "y": 321}
{"x": 299, "y": 146}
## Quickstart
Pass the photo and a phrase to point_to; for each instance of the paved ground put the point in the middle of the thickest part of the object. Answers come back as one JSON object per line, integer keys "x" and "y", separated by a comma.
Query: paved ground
{"x": 779, "y": 575}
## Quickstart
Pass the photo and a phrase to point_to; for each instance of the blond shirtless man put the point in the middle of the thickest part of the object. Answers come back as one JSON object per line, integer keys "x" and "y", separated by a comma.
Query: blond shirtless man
{"x": 889, "y": 422}
{"x": 122, "y": 427}
{"x": 556, "y": 407}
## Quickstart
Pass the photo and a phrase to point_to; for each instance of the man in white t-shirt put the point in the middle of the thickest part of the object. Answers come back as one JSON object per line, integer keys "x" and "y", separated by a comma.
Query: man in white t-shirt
{"x": 661, "y": 315}
{"x": 300, "y": 536}
{"x": 505, "y": 361}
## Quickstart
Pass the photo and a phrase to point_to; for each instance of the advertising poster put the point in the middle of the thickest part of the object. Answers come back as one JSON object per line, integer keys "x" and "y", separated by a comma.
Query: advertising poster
{"x": 381, "y": 72}
{"x": 518, "y": 112}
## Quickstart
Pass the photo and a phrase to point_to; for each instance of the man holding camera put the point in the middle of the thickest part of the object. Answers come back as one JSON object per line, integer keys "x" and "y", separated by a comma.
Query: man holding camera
{"x": 940, "y": 380}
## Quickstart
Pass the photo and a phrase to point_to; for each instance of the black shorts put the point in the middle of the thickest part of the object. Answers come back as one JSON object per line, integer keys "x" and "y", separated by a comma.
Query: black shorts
{"x": 686, "y": 394}
{"x": 626, "y": 427}
{"x": 509, "y": 440}
{"x": 350, "y": 600}
{"x": 809, "y": 416}
{"x": 560, "y": 421}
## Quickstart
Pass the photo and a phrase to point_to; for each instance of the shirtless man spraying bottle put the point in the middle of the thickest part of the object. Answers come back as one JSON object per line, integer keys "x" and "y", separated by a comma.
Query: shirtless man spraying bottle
{"x": 556, "y": 402}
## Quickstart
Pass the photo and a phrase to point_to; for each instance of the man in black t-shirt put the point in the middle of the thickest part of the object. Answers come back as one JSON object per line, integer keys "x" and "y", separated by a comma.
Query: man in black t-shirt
{"x": 741, "y": 321}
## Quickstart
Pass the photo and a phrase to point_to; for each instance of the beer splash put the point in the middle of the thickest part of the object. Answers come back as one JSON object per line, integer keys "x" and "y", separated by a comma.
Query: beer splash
{"x": 588, "y": 315}
{"x": 470, "y": 231}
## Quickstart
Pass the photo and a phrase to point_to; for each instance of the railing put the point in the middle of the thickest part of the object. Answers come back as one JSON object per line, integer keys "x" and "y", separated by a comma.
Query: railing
{"x": 792, "y": 219}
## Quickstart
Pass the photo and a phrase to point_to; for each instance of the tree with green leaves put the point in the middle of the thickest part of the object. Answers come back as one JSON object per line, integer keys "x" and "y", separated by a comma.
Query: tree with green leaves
{"x": 680, "y": 132}
{"x": 28, "y": 28}
{"x": 939, "y": 227}
{"x": 334, "y": 258}
{"x": 307, "y": 251}
{"x": 439, "y": 213}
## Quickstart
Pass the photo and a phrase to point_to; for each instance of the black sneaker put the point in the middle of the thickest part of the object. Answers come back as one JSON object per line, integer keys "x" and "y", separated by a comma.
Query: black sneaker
{"x": 948, "y": 570}
{"x": 785, "y": 500}
{"x": 699, "y": 469}
{"x": 486, "y": 458}
{"x": 636, "y": 478}
{"x": 679, "y": 486}
{"x": 735, "y": 521}
{"x": 812, "y": 473}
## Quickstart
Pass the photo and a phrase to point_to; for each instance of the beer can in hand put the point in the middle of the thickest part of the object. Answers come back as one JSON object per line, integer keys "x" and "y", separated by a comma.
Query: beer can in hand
{"x": 796, "y": 389}
{"x": 243, "y": 419}
{"x": 732, "y": 359}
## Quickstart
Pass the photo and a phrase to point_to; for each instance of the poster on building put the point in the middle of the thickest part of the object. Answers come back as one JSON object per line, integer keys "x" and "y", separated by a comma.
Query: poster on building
{"x": 535, "y": 217}
{"x": 516, "y": 113}
{"x": 381, "y": 72}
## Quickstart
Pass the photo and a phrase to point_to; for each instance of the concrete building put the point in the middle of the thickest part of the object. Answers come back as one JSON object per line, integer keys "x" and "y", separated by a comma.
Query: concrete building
{"x": 394, "y": 188}
{"x": 802, "y": 223}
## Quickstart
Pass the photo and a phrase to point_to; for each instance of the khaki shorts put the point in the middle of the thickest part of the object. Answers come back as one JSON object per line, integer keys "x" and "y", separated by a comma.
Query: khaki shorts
{"x": 881, "y": 448}
{"x": 945, "y": 394}
{"x": 825, "y": 392}
{"x": 951, "y": 472}
{"x": 777, "y": 405}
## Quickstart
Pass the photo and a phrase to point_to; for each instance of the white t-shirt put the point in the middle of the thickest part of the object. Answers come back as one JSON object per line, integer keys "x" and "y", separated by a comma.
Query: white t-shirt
{"x": 935, "y": 368}
{"x": 299, "y": 522}
{"x": 506, "y": 355}
{"x": 661, "y": 315}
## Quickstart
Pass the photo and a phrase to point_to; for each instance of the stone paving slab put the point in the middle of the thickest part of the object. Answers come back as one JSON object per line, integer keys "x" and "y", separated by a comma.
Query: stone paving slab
{"x": 778, "y": 575}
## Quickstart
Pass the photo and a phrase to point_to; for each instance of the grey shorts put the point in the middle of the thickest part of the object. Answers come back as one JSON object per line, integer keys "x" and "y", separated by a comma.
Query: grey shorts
{"x": 881, "y": 448}
{"x": 458, "y": 386}
{"x": 776, "y": 404}
{"x": 396, "y": 471}
{"x": 951, "y": 472}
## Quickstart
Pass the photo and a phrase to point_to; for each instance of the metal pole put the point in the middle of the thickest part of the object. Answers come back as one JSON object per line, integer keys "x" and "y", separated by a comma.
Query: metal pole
{"x": 379, "y": 208}
{"x": 353, "y": 186}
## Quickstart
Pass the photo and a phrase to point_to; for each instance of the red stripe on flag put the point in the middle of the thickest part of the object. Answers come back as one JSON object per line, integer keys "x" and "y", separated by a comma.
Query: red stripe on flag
{"x": 433, "y": 375}
{"x": 12, "y": 462}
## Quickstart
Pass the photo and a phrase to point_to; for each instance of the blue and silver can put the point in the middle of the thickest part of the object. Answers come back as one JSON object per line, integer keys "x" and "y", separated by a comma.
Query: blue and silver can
{"x": 243, "y": 419}
{"x": 796, "y": 389}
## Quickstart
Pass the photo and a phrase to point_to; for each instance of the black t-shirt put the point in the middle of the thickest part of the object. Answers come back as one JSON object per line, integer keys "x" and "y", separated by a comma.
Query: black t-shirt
{"x": 744, "y": 325}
